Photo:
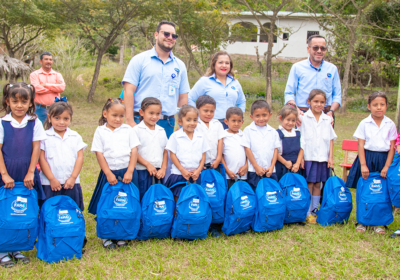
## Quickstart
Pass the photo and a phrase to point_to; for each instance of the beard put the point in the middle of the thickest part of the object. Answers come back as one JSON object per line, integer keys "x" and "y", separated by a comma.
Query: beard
{"x": 162, "y": 46}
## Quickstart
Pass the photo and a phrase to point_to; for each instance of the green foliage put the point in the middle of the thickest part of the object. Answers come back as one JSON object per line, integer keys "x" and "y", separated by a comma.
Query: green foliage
{"x": 113, "y": 50}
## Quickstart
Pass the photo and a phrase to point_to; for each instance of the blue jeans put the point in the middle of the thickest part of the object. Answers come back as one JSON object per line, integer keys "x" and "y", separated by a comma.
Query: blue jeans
{"x": 222, "y": 121}
{"x": 41, "y": 113}
{"x": 168, "y": 125}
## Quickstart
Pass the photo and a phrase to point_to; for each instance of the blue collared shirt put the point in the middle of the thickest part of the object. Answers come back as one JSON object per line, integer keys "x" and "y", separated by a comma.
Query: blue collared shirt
{"x": 154, "y": 78}
{"x": 304, "y": 77}
{"x": 227, "y": 96}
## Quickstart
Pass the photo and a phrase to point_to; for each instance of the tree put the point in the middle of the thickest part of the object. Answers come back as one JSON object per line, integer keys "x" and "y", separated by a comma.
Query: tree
{"x": 101, "y": 22}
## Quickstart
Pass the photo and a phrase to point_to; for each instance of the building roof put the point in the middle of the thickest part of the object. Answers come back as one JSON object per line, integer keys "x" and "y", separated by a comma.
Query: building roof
{"x": 284, "y": 14}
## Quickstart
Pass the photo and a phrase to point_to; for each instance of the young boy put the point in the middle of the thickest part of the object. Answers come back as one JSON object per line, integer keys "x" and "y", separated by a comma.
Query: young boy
{"x": 261, "y": 144}
{"x": 234, "y": 155}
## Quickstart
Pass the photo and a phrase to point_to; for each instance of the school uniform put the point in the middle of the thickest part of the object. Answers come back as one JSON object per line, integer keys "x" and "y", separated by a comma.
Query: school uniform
{"x": 262, "y": 141}
{"x": 315, "y": 140}
{"x": 289, "y": 149}
{"x": 61, "y": 155}
{"x": 151, "y": 148}
{"x": 17, "y": 148}
{"x": 234, "y": 154}
{"x": 116, "y": 148}
{"x": 189, "y": 153}
{"x": 377, "y": 146}
{"x": 212, "y": 134}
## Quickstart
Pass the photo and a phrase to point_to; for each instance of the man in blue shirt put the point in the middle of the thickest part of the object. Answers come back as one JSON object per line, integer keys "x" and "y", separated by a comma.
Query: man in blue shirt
{"x": 157, "y": 73}
{"x": 314, "y": 73}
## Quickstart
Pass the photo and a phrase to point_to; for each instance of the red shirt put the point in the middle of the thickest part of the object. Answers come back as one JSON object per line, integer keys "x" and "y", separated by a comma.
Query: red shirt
{"x": 46, "y": 94}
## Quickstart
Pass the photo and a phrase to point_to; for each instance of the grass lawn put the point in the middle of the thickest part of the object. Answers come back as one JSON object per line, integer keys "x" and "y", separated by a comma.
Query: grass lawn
{"x": 293, "y": 252}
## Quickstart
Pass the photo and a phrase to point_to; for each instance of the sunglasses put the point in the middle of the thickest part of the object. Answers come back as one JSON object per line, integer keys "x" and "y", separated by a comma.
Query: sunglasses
{"x": 316, "y": 48}
{"x": 167, "y": 34}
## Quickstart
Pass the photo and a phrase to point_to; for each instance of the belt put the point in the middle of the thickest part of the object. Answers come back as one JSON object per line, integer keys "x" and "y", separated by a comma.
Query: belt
{"x": 326, "y": 109}
{"x": 43, "y": 106}
{"x": 162, "y": 117}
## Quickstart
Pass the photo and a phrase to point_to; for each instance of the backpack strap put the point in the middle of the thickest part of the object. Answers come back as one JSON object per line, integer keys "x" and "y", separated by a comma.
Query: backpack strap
{"x": 181, "y": 183}
{"x": 281, "y": 134}
{"x": 153, "y": 180}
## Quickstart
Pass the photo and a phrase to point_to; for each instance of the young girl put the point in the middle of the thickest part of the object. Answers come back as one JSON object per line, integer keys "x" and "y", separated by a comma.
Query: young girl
{"x": 376, "y": 136}
{"x": 115, "y": 145}
{"x": 61, "y": 156}
{"x": 20, "y": 135}
{"x": 152, "y": 156}
{"x": 188, "y": 149}
{"x": 290, "y": 151}
{"x": 317, "y": 141}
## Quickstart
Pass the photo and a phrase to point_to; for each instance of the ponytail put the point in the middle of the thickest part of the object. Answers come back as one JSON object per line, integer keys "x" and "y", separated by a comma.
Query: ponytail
{"x": 109, "y": 103}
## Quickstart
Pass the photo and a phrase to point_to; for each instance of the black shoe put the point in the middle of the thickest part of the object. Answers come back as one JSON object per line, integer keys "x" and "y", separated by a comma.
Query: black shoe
{"x": 395, "y": 234}
{"x": 214, "y": 233}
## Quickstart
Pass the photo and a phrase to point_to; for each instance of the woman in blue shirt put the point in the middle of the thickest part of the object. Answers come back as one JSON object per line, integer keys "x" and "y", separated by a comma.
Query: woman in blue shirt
{"x": 219, "y": 83}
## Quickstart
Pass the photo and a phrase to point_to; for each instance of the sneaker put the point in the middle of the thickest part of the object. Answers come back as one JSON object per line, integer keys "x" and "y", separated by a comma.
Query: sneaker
{"x": 6, "y": 261}
{"x": 311, "y": 219}
{"x": 214, "y": 233}
{"x": 122, "y": 243}
{"x": 108, "y": 244}
{"x": 19, "y": 257}
{"x": 395, "y": 234}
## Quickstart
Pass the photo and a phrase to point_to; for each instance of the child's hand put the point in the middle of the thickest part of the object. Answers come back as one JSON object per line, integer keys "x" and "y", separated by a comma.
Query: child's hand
{"x": 69, "y": 184}
{"x": 8, "y": 181}
{"x": 295, "y": 167}
{"x": 331, "y": 163}
{"x": 55, "y": 185}
{"x": 28, "y": 180}
{"x": 259, "y": 170}
{"x": 268, "y": 171}
{"x": 195, "y": 175}
{"x": 186, "y": 174}
{"x": 152, "y": 170}
{"x": 160, "y": 173}
{"x": 243, "y": 170}
{"x": 302, "y": 164}
{"x": 215, "y": 164}
{"x": 364, "y": 172}
{"x": 384, "y": 172}
{"x": 111, "y": 179}
{"x": 230, "y": 174}
{"x": 288, "y": 164}
{"x": 127, "y": 177}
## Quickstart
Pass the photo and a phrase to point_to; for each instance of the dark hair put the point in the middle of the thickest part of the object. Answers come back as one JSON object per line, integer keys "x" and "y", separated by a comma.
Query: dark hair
{"x": 56, "y": 109}
{"x": 24, "y": 91}
{"x": 288, "y": 110}
{"x": 316, "y": 92}
{"x": 148, "y": 101}
{"x": 204, "y": 100}
{"x": 234, "y": 111}
{"x": 164, "y": 22}
{"x": 186, "y": 109}
{"x": 260, "y": 104}
{"x": 211, "y": 70}
{"x": 45, "y": 53}
{"x": 313, "y": 37}
{"x": 377, "y": 94}
{"x": 109, "y": 103}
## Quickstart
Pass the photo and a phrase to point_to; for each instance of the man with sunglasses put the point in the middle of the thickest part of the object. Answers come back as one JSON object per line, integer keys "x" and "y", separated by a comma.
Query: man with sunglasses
{"x": 314, "y": 73}
{"x": 157, "y": 73}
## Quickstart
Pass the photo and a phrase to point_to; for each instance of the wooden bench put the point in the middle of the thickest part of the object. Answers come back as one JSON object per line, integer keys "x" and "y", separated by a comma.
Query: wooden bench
{"x": 352, "y": 146}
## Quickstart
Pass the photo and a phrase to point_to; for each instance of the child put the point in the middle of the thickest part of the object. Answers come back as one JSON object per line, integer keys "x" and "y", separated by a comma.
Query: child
{"x": 376, "y": 136}
{"x": 61, "y": 156}
{"x": 261, "y": 144}
{"x": 317, "y": 141}
{"x": 115, "y": 145}
{"x": 152, "y": 156}
{"x": 20, "y": 135}
{"x": 290, "y": 151}
{"x": 188, "y": 149}
{"x": 234, "y": 159}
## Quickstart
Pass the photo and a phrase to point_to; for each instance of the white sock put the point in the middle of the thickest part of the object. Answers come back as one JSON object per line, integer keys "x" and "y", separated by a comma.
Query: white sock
{"x": 315, "y": 202}
{"x": 310, "y": 208}
{"x": 6, "y": 259}
{"x": 107, "y": 242}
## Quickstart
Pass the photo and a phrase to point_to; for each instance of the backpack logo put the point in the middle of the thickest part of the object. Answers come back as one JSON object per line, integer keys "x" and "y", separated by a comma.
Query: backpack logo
{"x": 295, "y": 193}
{"x": 245, "y": 202}
{"x": 121, "y": 199}
{"x": 19, "y": 205}
{"x": 271, "y": 197}
{"x": 194, "y": 205}
{"x": 342, "y": 194}
{"x": 159, "y": 206}
{"x": 64, "y": 217}
{"x": 375, "y": 186}
{"x": 210, "y": 189}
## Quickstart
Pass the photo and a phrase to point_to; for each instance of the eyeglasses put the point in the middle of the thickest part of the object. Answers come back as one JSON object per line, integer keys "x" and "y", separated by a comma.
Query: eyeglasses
{"x": 316, "y": 48}
{"x": 167, "y": 34}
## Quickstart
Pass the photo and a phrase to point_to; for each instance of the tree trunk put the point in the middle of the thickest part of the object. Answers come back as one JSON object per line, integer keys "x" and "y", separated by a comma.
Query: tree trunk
{"x": 100, "y": 54}
{"x": 121, "y": 50}
{"x": 132, "y": 50}
{"x": 258, "y": 60}
{"x": 353, "y": 40}
{"x": 268, "y": 64}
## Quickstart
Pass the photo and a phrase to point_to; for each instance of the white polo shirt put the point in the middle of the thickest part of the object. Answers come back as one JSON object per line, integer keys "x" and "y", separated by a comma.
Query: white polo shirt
{"x": 152, "y": 144}
{"x": 189, "y": 152}
{"x": 233, "y": 151}
{"x": 115, "y": 145}
{"x": 286, "y": 133}
{"x": 316, "y": 136}
{"x": 213, "y": 133}
{"x": 38, "y": 131}
{"x": 376, "y": 138}
{"x": 262, "y": 141}
{"x": 61, "y": 154}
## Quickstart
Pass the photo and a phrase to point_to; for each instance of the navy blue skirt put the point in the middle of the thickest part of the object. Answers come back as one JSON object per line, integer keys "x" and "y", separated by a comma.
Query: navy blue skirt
{"x": 101, "y": 181}
{"x": 174, "y": 178}
{"x": 75, "y": 193}
{"x": 282, "y": 170}
{"x": 253, "y": 179}
{"x": 316, "y": 172}
{"x": 145, "y": 181}
{"x": 375, "y": 162}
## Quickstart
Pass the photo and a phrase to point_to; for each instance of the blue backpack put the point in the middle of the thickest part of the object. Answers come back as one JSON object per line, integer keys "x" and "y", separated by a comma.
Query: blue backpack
{"x": 193, "y": 213}
{"x": 118, "y": 212}
{"x": 215, "y": 186}
{"x": 337, "y": 203}
{"x": 393, "y": 176}
{"x": 297, "y": 197}
{"x": 158, "y": 207}
{"x": 373, "y": 201}
{"x": 19, "y": 221}
{"x": 271, "y": 206}
{"x": 61, "y": 230}
{"x": 240, "y": 208}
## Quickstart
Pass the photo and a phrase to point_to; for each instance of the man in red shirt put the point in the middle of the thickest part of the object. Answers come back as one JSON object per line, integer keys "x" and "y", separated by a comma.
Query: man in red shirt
{"x": 48, "y": 85}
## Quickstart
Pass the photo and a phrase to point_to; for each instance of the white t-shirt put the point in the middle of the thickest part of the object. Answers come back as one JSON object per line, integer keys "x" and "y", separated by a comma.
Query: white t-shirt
{"x": 234, "y": 153}
{"x": 213, "y": 134}
{"x": 38, "y": 131}
{"x": 61, "y": 154}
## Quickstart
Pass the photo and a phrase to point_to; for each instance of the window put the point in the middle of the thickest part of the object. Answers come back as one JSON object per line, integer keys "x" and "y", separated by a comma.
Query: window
{"x": 310, "y": 33}
{"x": 264, "y": 36}
{"x": 285, "y": 37}
{"x": 244, "y": 32}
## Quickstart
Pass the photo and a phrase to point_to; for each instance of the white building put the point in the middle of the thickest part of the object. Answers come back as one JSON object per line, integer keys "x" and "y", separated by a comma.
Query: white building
{"x": 295, "y": 27}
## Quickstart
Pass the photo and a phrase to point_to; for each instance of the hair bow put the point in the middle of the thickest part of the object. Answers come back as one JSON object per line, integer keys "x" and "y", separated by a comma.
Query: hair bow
{"x": 64, "y": 98}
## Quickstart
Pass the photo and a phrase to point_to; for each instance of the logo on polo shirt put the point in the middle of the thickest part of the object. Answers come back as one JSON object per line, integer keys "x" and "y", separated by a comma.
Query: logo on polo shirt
{"x": 233, "y": 87}
{"x": 329, "y": 75}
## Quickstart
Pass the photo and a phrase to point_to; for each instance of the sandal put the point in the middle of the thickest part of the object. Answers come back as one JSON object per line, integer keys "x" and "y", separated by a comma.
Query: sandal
{"x": 6, "y": 261}
{"x": 361, "y": 228}
{"x": 122, "y": 243}
{"x": 108, "y": 244}
{"x": 19, "y": 257}
{"x": 379, "y": 230}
